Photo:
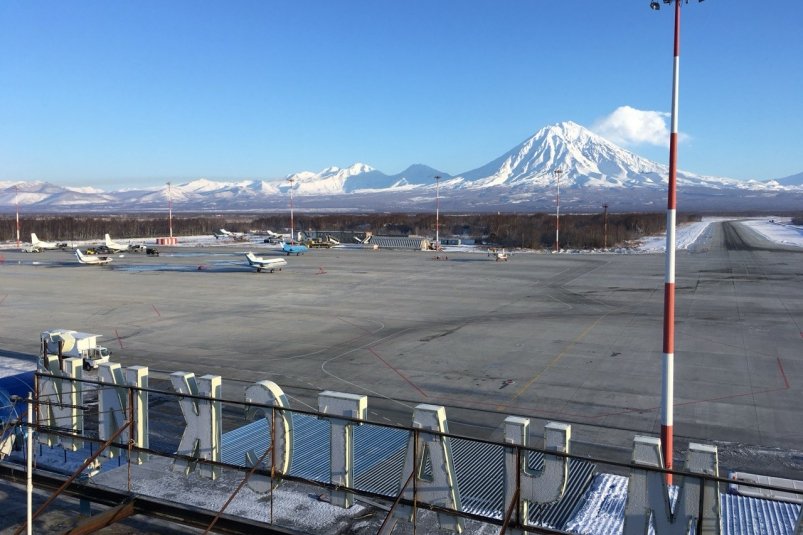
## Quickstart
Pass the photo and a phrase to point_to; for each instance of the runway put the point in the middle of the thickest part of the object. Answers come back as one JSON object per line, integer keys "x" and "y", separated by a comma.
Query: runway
{"x": 573, "y": 337}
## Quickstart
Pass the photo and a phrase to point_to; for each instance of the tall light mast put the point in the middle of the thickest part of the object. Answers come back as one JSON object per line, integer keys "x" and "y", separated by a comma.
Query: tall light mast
{"x": 557, "y": 173}
{"x": 17, "y": 204}
{"x": 668, "y": 365}
{"x": 170, "y": 207}
{"x": 292, "y": 231}
{"x": 437, "y": 211}
{"x": 605, "y": 227}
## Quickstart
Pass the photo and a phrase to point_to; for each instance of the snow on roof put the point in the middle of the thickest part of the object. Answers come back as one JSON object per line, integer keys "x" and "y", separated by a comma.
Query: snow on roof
{"x": 603, "y": 511}
{"x": 10, "y": 366}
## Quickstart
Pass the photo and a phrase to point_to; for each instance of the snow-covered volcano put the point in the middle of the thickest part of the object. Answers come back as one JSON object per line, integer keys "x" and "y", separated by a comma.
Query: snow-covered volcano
{"x": 584, "y": 160}
{"x": 592, "y": 170}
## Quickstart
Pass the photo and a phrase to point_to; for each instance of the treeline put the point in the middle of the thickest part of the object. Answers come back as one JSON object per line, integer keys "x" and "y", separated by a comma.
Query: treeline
{"x": 508, "y": 230}
{"x": 69, "y": 228}
{"x": 533, "y": 231}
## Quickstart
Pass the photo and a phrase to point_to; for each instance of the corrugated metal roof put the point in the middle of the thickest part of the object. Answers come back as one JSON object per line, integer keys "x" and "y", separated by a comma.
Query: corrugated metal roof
{"x": 379, "y": 454}
{"x": 795, "y": 494}
{"x": 742, "y": 515}
{"x": 603, "y": 511}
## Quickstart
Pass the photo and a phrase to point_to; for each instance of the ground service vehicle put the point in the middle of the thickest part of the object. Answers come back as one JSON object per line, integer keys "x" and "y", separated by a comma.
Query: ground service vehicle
{"x": 76, "y": 344}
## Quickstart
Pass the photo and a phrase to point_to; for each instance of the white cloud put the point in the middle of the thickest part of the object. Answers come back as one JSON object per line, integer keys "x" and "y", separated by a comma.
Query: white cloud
{"x": 629, "y": 126}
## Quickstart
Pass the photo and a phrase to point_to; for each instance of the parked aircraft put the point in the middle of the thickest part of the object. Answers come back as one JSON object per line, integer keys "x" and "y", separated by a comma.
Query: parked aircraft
{"x": 294, "y": 248}
{"x": 113, "y": 246}
{"x": 42, "y": 245}
{"x": 259, "y": 263}
{"x": 223, "y": 233}
{"x": 96, "y": 260}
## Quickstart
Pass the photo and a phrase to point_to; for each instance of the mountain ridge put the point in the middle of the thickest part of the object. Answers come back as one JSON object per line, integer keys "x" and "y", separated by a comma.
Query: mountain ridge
{"x": 591, "y": 168}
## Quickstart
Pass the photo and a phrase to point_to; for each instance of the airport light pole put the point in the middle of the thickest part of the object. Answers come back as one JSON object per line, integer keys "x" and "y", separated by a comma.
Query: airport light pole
{"x": 17, "y": 204}
{"x": 557, "y": 173}
{"x": 668, "y": 364}
{"x": 292, "y": 238}
{"x": 605, "y": 227}
{"x": 170, "y": 208}
{"x": 437, "y": 211}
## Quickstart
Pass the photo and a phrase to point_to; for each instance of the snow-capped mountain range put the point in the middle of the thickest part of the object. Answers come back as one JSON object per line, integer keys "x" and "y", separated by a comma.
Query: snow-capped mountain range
{"x": 592, "y": 171}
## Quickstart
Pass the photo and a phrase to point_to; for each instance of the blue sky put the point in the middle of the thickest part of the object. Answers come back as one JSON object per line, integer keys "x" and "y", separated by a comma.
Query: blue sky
{"x": 125, "y": 94}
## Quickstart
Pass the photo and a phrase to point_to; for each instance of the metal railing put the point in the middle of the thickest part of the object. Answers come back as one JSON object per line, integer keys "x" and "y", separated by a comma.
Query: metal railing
{"x": 479, "y": 465}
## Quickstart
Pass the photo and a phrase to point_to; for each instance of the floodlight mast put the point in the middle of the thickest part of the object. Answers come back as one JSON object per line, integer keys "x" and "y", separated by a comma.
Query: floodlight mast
{"x": 668, "y": 365}
{"x": 17, "y": 204}
{"x": 170, "y": 207}
{"x": 557, "y": 173}
{"x": 292, "y": 231}
{"x": 437, "y": 211}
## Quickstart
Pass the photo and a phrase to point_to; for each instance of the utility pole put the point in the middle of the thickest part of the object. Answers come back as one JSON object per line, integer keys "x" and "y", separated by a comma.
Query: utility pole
{"x": 557, "y": 173}
{"x": 605, "y": 228}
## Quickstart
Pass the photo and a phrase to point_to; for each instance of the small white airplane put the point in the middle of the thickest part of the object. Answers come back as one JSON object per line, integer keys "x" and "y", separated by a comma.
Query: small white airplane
{"x": 223, "y": 233}
{"x": 96, "y": 260}
{"x": 114, "y": 246}
{"x": 269, "y": 264}
{"x": 42, "y": 245}
{"x": 500, "y": 254}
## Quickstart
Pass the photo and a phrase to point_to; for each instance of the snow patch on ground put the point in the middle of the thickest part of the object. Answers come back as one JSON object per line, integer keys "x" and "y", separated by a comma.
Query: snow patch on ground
{"x": 686, "y": 237}
{"x": 778, "y": 230}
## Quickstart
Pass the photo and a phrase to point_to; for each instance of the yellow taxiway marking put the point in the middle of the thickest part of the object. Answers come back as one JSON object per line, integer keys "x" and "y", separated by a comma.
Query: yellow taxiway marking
{"x": 557, "y": 358}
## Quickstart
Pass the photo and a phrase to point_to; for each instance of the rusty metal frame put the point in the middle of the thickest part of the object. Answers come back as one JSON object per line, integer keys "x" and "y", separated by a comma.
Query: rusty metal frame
{"x": 75, "y": 474}
{"x": 507, "y": 522}
{"x": 104, "y": 519}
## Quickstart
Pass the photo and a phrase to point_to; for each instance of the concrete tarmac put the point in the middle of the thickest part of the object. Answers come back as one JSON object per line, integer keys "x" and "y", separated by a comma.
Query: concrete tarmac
{"x": 574, "y": 338}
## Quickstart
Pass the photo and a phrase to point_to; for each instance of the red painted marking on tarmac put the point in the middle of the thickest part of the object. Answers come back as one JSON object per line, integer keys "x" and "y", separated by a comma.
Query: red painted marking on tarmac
{"x": 157, "y": 312}
{"x": 119, "y": 340}
{"x": 321, "y": 271}
{"x": 783, "y": 373}
{"x": 371, "y": 349}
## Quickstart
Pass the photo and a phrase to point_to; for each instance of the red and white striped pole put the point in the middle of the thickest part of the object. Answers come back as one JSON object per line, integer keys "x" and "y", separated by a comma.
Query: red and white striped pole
{"x": 292, "y": 227}
{"x": 668, "y": 374}
{"x": 170, "y": 208}
{"x": 17, "y": 204}
{"x": 437, "y": 213}
{"x": 557, "y": 173}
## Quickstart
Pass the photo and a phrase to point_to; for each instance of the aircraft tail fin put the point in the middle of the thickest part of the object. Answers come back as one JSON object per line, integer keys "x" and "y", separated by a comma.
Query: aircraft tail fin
{"x": 34, "y": 239}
